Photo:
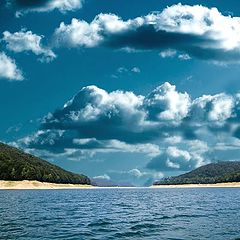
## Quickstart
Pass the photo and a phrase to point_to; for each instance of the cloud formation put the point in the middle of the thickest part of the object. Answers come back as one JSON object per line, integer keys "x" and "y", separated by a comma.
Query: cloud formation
{"x": 136, "y": 176}
{"x": 123, "y": 71}
{"x": 102, "y": 177}
{"x": 165, "y": 104}
{"x": 46, "y": 5}
{"x": 9, "y": 69}
{"x": 193, "y": 31}
{"x": 191, "y": 155}
{"x": 174, "y": 131}
{"x": 168, "y": 53}
{"x": 24, "y": 41}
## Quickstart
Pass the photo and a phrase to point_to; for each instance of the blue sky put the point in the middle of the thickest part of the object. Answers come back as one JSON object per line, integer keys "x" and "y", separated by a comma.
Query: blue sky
{"x": 153, "y": 89}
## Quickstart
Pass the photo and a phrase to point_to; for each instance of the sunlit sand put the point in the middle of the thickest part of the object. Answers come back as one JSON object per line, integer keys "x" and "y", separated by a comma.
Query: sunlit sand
{"x": 229, "y": 184}
{"x": 39, "y": 185}
{"x": 45, "y": 185}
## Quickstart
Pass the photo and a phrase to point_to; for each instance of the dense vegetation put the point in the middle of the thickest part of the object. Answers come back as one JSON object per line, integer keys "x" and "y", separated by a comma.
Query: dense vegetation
{"x": 17, "y": 165}
{"x": 212, "y": 173}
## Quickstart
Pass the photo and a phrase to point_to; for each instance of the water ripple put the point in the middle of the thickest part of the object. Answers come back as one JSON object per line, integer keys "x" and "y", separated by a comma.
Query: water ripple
{"x": 120, "y": 214}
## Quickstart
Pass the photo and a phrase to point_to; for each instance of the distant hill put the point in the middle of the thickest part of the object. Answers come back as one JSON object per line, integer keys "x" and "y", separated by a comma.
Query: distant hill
{"x": 108, "y": 183}
{"x": 212, "y": 173}
{"x": 17, "y": 165}
{"x": 103, "y": 183}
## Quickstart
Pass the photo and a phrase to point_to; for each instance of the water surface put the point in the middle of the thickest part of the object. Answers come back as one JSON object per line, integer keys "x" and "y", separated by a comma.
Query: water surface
{"x": 207, "y": 213}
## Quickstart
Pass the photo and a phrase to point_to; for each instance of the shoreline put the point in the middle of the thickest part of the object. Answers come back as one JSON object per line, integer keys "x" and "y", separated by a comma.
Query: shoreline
{"x": 212, "y": 185}
{"x": 31, "y": 185}
{"x": 27, "y": 184}
{"x": 37, "y": 185}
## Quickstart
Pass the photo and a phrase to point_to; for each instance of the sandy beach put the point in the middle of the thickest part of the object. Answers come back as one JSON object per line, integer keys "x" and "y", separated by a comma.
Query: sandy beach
{"x": 18, "y": 185}
{"x": 219, "y": 185}
{"x": 26, "y": 184}
{"x": 39, "y": 185}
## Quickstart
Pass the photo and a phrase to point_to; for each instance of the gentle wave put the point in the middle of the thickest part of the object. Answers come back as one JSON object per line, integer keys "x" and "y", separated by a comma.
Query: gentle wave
{"x": 120, "y": 214}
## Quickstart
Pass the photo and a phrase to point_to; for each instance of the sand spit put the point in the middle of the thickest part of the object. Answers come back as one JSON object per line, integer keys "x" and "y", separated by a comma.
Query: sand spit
{"x": 218, "y": 185}
{"x": 39, "y": 185}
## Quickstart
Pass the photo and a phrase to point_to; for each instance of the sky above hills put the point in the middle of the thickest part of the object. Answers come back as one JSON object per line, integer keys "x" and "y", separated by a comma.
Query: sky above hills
{"x": 120, "y": 91}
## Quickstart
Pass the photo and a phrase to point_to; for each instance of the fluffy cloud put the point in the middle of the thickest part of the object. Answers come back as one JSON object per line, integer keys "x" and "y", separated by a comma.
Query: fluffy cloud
{"x": 191, "y": 156}
{"x": 184, "y": 57}
{"x": 124, "y": 71}
{"x": 166, "y": 104}
{"x": 62, "y": 141}
{"x": 132, "y": 118}
{"x": 193, "y": 31}
{"x": 213, "y": 110}
{"x": 9, "y": 69}
{"x": 93, "y": 107}
{"x": 46, "y": 5}
{"x": 27, "y": 41}
{"x": 136, "y": 70}
{"x": 168, "y": 53}
{"x": 167, "y": 126}
{"x": 82, "y": 34}
{"x": 136, "y": 176}
{"x": 140, "y": 174}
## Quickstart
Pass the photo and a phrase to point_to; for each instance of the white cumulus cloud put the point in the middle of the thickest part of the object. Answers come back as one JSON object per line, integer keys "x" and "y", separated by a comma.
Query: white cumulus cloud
{"x": 214, "y": 109}
{"x": 167, "y": 103}
{"x": 24, "y": 41}
{"x": 191, "y": 155}
{"x": 50, "y": 5}
{"x": 192, "y": 31}
{"x": 167, "y": 126}
{"x": 9, "y": 69}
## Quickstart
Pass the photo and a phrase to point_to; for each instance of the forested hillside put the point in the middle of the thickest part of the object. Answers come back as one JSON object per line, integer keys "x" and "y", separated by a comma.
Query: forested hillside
{"x": 212, "y": 173}
{"x": 17, "y": 165}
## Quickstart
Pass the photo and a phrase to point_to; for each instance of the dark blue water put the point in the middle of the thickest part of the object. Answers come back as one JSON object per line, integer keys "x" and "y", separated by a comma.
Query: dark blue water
{"x": 120, "y": 214}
